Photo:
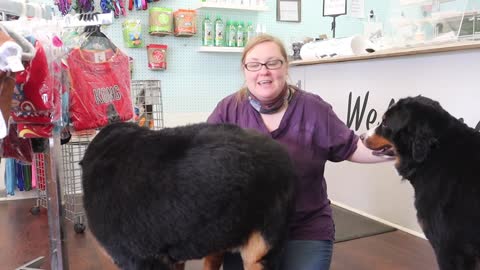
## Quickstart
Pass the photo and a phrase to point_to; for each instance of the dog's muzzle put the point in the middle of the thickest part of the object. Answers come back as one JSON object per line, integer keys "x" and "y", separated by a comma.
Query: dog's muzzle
{"x": 379, "y": 145}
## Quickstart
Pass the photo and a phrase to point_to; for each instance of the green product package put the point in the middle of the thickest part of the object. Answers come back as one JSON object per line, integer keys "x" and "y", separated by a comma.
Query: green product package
{"x": 161, "y": 21}
{"x": 132, "y": 33}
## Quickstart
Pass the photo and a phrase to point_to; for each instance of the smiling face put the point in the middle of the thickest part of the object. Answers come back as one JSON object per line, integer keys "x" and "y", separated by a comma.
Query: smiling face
{"x": 265, "y": 84}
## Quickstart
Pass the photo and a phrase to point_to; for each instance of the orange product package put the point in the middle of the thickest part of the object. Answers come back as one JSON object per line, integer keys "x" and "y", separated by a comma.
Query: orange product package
{"x": 185, "y": 22}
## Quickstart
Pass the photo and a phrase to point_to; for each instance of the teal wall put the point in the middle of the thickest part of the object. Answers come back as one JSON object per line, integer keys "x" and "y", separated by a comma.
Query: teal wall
{"x": 196, "y": 81}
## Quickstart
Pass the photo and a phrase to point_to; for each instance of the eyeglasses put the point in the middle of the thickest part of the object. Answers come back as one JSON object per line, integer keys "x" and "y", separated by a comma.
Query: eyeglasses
{"x": 256, "y": 66}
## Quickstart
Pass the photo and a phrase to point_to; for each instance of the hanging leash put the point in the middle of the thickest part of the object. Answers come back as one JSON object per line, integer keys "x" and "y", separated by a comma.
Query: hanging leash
{"x": 116, "y": 6}
{"x": 64, "y": 6}
{"x": 130, "y": 4}
{"x": 119, "y": 8}
{"x": 106, "y": 6}
{"x": 84, "y": 6}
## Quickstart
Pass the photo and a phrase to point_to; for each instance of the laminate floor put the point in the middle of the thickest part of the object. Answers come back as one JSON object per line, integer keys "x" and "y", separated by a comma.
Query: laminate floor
{"x": 24, "y": 237}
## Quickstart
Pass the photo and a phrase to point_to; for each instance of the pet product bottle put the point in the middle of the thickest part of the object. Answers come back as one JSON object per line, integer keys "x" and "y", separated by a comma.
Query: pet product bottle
{"x": 232, "y": 34}
{"x": 250, "y": 32}
{"x": 219, "y": 32}
{"x": 207, "y": 32}
{"x": 258, "y": 31}
{"x": 240, "y": 35}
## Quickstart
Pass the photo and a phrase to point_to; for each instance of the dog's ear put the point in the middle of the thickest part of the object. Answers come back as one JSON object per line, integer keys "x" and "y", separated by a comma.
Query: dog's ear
{"x": 423, "y": 143}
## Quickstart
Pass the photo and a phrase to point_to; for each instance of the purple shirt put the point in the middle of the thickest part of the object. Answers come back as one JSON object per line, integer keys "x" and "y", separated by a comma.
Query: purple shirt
{"x": 312, "y": 134}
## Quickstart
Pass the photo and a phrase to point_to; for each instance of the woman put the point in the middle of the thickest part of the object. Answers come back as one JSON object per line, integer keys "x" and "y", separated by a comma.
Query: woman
{"x": 312, "y": 133}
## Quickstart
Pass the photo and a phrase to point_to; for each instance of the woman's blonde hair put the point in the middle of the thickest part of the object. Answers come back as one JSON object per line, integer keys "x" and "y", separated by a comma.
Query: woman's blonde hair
{"x": 242, "y": 93}
{"x": 262, "y": 39}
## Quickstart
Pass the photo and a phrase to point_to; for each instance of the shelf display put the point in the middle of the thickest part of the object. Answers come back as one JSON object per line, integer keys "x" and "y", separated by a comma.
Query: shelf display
{"x": 226, "y": 35}
{"x": 212, "y": 5}
{"x": 416, "y": 22}
{"x": 221, "y": 49}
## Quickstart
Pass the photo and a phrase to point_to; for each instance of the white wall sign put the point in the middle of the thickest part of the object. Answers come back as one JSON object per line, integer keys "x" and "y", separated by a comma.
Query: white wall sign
{"x": 357, "y": 9}
{"x": 334, "y": 7}
{"x": 288, "y": 11}
{"x": 361, "y": 91}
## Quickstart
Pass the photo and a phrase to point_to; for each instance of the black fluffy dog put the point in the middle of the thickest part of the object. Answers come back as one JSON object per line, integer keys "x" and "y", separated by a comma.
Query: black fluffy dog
{"x": 440, "y": 156}
{"x": 155, "y": 198}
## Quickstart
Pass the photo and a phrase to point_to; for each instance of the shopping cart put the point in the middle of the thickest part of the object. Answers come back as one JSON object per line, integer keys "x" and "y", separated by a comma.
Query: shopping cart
{"x": 71, "y": 188}
{"x": 72, "y": 154}
{"x": 39, "y": 166}
{"x": 147, "y": 101}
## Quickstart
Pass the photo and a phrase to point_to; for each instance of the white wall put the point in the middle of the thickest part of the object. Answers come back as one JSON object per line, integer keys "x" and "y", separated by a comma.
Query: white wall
{"x": 450, "y": 77}
{"x": 194, "y": 81}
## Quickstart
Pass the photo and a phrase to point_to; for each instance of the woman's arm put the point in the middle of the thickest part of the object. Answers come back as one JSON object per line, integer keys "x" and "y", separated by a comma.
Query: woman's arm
{"x": 364, "y": 155}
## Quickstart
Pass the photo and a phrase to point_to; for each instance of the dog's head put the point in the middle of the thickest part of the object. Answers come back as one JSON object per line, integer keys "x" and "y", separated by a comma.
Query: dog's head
{"x": 409, "y": 130}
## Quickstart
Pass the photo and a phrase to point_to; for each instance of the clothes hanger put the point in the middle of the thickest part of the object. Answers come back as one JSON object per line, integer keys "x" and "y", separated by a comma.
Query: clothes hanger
{"x": 96, "y": 39}
{"x": 95, "y": 36}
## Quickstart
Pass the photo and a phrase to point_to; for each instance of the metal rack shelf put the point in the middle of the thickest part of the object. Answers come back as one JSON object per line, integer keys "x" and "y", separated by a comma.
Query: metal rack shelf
{"x": 207, "y": 5}
{"x": 221, "y": 49}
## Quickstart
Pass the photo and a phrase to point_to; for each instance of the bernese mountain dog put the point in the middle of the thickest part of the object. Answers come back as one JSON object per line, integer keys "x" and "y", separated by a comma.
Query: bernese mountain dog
{"x": 154, "y": 199}
{"x": 440, "y": 156}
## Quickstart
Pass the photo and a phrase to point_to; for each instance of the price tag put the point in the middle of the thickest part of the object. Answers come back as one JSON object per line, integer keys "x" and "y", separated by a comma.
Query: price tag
{"x": 100, "y": 57}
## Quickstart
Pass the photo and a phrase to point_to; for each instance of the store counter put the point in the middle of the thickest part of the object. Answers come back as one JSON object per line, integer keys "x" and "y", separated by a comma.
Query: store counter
{"x": 360, "y": 89}
{"x": 422, "y": 49}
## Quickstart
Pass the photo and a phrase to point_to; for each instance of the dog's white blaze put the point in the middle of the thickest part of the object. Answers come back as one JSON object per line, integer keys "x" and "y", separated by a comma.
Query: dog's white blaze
{"x": 371, "y": 131}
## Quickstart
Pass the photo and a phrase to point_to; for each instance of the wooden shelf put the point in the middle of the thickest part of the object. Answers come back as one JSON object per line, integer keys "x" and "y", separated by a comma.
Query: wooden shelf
{"x": 221, "y": 49}
{"x": 208, "y": 5}
{"x": 397, "y": 52}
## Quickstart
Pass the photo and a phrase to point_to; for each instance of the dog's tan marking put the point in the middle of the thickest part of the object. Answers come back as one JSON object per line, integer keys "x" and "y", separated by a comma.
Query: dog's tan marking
{"x": 376, "y": 142}
{"x": 179, "y": 266}
{"x": 252, "y": 252}
{"x": 213, "y": 261}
